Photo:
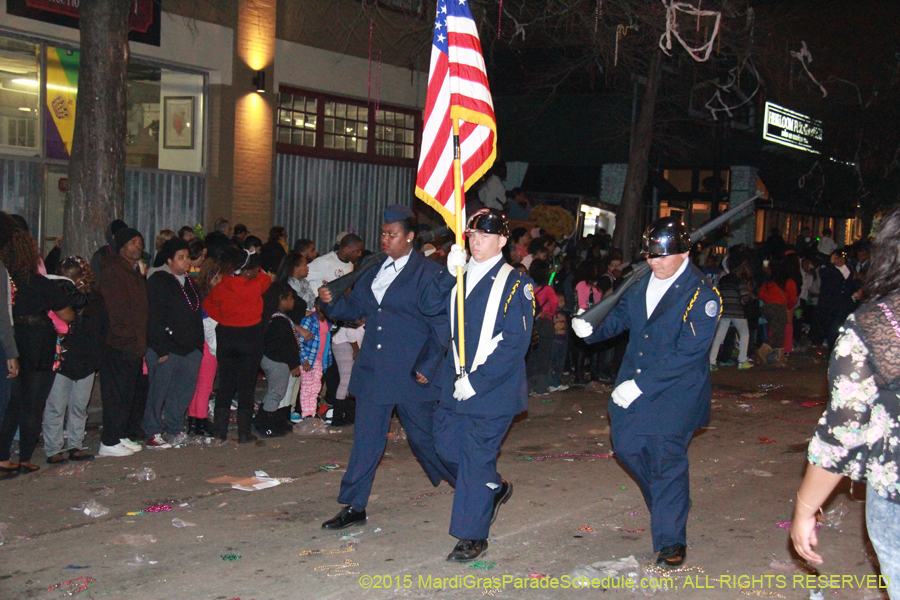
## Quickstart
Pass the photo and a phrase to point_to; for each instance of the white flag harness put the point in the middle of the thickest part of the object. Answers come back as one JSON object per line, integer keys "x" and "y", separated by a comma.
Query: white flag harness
{"x": 486, "y": 344}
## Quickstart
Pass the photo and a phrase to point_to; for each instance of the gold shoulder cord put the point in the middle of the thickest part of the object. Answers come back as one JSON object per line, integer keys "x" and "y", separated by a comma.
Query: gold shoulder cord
{"x": 512, "y": 293}
{"x": 690, "y": 305}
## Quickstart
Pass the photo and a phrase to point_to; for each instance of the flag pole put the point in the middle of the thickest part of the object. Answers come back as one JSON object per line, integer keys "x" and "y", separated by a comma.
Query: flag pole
{"x": 460, "y": 286}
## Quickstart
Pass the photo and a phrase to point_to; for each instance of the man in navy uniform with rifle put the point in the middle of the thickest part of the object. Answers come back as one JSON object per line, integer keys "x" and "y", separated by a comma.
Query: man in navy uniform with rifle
{"x": 663, "y": 390}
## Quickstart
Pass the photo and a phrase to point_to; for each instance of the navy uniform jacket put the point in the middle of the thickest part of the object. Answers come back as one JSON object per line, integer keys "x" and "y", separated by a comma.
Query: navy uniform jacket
{"x": 399, "y": 339}
{"x": 667, "y": 354}
{"x": 500, "y": 384}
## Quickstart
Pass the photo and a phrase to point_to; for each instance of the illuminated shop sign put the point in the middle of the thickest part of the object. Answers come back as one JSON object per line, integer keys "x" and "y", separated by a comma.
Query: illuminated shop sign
{"x": 789, "y": 128}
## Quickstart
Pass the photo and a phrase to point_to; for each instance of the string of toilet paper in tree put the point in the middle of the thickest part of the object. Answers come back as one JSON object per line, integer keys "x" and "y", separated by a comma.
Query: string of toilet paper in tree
{"x": 519, "y": 27}
{"x": 730, "y": 87}
{"x": 805, "y": 58}
{"x": 621, "y": 32}
{"x": 699, "y": 53}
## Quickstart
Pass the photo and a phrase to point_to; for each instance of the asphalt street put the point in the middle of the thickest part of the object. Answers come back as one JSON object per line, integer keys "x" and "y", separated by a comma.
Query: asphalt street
{"x": 573, "y": 506}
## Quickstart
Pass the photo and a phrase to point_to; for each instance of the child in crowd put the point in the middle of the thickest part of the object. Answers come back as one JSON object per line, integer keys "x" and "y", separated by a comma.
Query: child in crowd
{"x": 560, "y": 344}
{"x": 281, "y": 358}
{"x": 253, "y": 244}
{"x": 197, "y": 250}
{"x": 198, "y": 411}
{"x": 316, "y": 357}
{"x": 293, "y": 271}
{"x": 545, "y": 305}
{"x": 83, "y": 346}
{"x": 236, "y": 304}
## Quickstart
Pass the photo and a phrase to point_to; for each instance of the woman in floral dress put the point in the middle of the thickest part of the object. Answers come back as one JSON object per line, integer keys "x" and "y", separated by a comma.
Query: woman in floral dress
{"x": 859, "y": 434}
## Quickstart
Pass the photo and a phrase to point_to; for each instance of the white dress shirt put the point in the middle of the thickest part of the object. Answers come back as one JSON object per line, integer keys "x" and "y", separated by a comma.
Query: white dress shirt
{"x": 657, "y": 288}
{"x": 476, "y": 271}
{"x": 386, "y": 275}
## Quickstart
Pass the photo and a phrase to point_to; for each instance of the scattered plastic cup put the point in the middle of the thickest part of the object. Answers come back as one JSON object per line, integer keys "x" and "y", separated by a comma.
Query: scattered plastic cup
{"x": 143, "y": 474}
{"x": 176, "y": 522}
{"x": 94, "y": 509}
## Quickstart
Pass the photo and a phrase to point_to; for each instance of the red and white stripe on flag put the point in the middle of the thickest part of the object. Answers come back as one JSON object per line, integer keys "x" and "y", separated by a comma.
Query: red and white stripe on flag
{"x": 457, "y": 90}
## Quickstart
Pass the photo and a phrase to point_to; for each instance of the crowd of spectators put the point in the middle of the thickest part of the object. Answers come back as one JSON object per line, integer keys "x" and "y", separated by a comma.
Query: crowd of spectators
{"x": 181, "y": 334}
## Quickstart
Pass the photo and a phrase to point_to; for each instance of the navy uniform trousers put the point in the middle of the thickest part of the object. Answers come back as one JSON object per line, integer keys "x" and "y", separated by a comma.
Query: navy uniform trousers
{"x": 399, "y": 341}
{"x": 469, "y": 445}
{"x": 370, "y": 437}
{"x": 468, "y": 433}
{"x": 659, "y": 463}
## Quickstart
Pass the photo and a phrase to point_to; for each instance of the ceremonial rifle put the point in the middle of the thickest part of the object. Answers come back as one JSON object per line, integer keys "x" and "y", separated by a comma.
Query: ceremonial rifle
{"x": 640, "y": 269}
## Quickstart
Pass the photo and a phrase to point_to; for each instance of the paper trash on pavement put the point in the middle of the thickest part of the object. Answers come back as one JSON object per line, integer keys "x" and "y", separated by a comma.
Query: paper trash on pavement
{"x": 259, "y": 481}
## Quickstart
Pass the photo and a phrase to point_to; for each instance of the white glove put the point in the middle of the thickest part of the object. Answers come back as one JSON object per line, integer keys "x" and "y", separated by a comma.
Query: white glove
{"x": 582, "y": 328}
{"x": 456, "y": 258}
{"x": 463, "y": 390}
{"x": 626, "y": 393}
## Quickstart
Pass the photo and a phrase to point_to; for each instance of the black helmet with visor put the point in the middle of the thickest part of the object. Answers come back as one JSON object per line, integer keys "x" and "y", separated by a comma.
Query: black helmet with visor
{"x": 488, "y": 220}
{"x": 665, "y": 237}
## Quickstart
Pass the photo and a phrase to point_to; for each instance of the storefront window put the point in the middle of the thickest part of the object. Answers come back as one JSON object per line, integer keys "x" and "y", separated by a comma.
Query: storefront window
{"x": 297, "y": 120}
{"x": 346, "y": 127}
{"x": 165, "y": 119}
{"x": 142, "y": 143}
{"x": 326, "y": 126}
{"x": 395, "y": 134}
{"x": 19, "y": 97}
{"x": 164, "y": 113}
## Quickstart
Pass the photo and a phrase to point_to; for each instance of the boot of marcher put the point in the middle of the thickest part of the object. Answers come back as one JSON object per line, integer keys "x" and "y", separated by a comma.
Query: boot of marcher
{"x": 244, "y": 421}
{"x": 220, "y": 423}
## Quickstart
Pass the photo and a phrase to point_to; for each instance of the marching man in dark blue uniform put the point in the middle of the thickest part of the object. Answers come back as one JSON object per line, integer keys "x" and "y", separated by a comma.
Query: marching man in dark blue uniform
{"x": 663, "y": 389}
{"x": 400, "y": 354}
{"x": 476, "y": 409}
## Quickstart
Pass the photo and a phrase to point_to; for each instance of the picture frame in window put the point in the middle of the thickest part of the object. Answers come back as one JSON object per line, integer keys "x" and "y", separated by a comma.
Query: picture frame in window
{"x": 178, "y": 122}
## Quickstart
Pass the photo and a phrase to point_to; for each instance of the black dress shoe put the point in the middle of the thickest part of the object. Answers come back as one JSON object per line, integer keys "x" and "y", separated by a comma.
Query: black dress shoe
{"x": 503, "y": 493}
{"x": 672, "y": 556}
{"x": 246, "y": 438}
{"x": 467, "y": 550}
{"x": 345, "y": 518}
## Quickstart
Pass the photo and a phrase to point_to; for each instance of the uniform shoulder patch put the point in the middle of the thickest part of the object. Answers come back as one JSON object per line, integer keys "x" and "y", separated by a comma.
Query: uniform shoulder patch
{"x": 528, "y": 290}
{"x": 711, "y": 308}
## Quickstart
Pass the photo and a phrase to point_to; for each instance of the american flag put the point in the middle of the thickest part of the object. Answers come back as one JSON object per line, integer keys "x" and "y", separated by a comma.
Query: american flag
{"x": 457, "y": 89}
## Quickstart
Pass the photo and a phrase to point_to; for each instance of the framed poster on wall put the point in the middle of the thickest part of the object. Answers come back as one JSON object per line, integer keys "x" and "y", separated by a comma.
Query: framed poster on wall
{"x": 178, "y": 122}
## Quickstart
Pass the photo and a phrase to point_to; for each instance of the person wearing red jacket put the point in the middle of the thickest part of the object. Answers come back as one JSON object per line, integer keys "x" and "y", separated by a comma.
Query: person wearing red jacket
{"x": 779, "y": 297}
{"x": 236, "y": 304}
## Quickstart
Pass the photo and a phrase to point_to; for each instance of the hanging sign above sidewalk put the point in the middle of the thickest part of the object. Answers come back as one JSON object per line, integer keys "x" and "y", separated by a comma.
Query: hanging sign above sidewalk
{"x": 143, "y": 22}
{"x": 789, "y": 128}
